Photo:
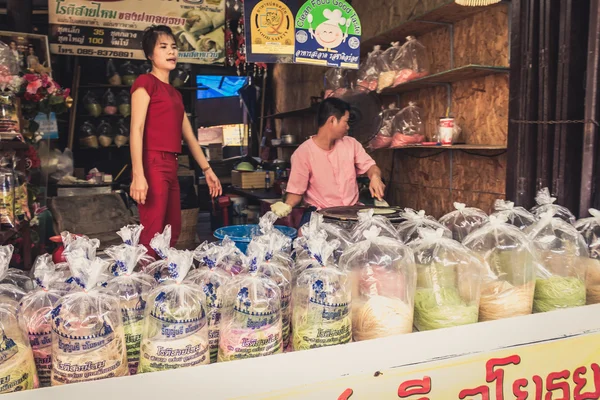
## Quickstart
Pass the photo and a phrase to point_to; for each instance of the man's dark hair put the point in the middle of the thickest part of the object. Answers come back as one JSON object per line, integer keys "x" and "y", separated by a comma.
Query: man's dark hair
{"x": 331, "y": 106}
{"x": 151, "y": 35}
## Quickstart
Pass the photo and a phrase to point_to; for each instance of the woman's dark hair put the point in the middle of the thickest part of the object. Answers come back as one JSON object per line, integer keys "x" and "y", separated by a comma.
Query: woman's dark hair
{"x": 150, "y": 36}
{"x": 331, "y": 106}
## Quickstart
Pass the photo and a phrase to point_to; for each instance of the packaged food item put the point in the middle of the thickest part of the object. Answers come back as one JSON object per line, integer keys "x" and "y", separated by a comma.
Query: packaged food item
{"x": 175, "y": 331}
{"x": 383, "y": 286}
{"x": 589, "y": 228}
{"x": 180, "y": 77}
{"x": 367, "y": 219}
{"x": 509, "y": 260}
{"x": 368, "y": 71}
{"x": 411, "y": 62}
{"x": 146, "y": 67}
{"x": 449, "y": 278}
{"x": 132, "y": 289}
{"x": 545, "y": 202}
{"x": 213, "y": 281}
{"x": 109, "y": 101}
{"x": 383, "y": 139}
{"x": 563, "y": 262}
{"x": 9, "y": 292}
{"x": 387, "y": 71}
{"x": 267, "y": 229}
{"x": 34, "y": 313}
{"x": 463, "y": 220}
{"x": 322, "y": 304}
{"x": 316, "y": 226}
{"x": 408, "y": 231}
{"x": 251, "y": 325}
{"x": 111, "y": 73}
{"x": 19, "y": 279}
{"x": 129, "y": 73}
{"x": 22, "y": 211}
{"x": 124, "y": 103}
{"x": 122, "y": 133}
{"x": 407, "y": 127}
{"x": 335, "y": 78}
{"x": 92, "y": 105}
{"x": 517, "y": 216}
{"x": 105, "y": 134}
{"x": 161, "y": 242}
{"x": 73, "y": 243}
{"x": 7, "y": 197}
{"x": 233, "y": 261}
{"x": 87, "y": 135}
{"x": 131, "y": 234}
{"x": 88, "y": 341}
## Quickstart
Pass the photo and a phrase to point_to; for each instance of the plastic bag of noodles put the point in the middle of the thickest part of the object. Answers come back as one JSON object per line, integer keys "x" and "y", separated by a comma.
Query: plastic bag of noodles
{"x": 9, "y": 291}
{"x": 315, "y": 227}
{"x": 517, "y": 216}
{"x": 367, "y": 219}
{"x": 545, "y": 202}
{"x": 590, "y": 230}
{"x": 408, "y": 231}
{"x": 463, "y": 220}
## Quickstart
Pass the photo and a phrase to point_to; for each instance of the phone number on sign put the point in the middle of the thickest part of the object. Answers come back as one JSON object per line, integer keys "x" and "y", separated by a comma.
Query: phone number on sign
{"x": 95, "y": 52}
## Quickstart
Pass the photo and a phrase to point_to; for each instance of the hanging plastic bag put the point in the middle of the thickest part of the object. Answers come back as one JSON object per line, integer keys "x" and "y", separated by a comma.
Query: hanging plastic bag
{"x": 449, "y": 278}
{"x": 407, "y": 127}
{"x": 180, "y": 77}
{"x": 213, "y": 281}
{"x": 87, "y": 135}
{"x": 122, "y": 133}
{"x": 463, "y": 220}
{"x": 129, "y": 73}
{"x": 411, "y": 62}
{"x": 387, "y": 71}
{"x": 322, "y": 307}
{"x": 589, "y": 228}
{"x": 517, "y": 216}
{"x": 367, "y": 219}
{"x": 132, "y": 289}
{"x": 175, "y": 331}
{"x": 383, "y": 286}
{"x": 109, "y": 101}
{"x": 34, "y": 313}
{"x": 92, "y": 105}
{"x": 545, "y": 202}
{"x": 111, "y": 73}
{"x": 335, "y": 78}
{"x": 105, "y": 133}
{"x": 368, "y": 71}
{"x": 383, "y": 139}
{"x": 408, "y": 231}
{"x": 124, "y": 103}
{"x": 509, "y": 259}
{"x": 88, "y": 341}
{"x": 563, "y": 263}
{"x": 251, "y": 325}
{"x": 161, "y": 242}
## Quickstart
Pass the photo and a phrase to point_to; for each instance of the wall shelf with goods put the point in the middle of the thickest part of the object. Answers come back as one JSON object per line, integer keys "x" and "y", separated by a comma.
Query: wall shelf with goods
{"x": 483, "y": 147}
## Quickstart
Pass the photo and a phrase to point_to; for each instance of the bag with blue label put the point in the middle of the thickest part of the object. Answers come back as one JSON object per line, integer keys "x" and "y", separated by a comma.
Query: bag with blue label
{"x": 321, "y": 314}
{"x": 132, "y": 289}
{"x": 88, "y": 341}
{"x": 315, "y": 227}
{"x": 175, "y": 332}
{"x": 224, "y": 255}
{"x": 10, "y": 292}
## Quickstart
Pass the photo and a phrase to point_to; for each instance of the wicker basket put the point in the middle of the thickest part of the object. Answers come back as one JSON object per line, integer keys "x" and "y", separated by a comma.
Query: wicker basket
{"x": 187, "y": 238}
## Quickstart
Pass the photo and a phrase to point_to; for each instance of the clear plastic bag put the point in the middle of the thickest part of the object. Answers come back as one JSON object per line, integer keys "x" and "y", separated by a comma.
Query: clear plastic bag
{"x": 131, "y": 234}
{"x": 105, "y": 133}
{"x": 111, "y": 73}
{"x": 132, "y": 289}
{"x": 411, "y": 62}
{"x": 367, "y": 219}
{"x": 383, "y": 286}
{"x": 267, "y": 228}
{"x": 383, "y": 139}
{"x": 19, "y": 279}
{"x": 463, "y": 220}
{"x": 88, "y": 341}
{"x": 590, "y": 230}
{"x": 175, "y": 333}
{"x": 9, "y": 291}
{"x": 315, "y": 227}
{"x": 34, "y": 314}
{"x": 92, "y": 105}
{"x": 161, "y": 242}
{"x": 7, "y": 197}
{"x": 408, "y": 231}
{"x": 322, "y": 308}
{"x": 251, "y": 325}
{"x": 368, "y": 71}
{"x": 124, "y": 103}
{"x": 87, "y": 135}
{"x": 129, "y": 72}
{"x": 74, "y": 243}
{"x": 509, "y": 259}
{"x": 387, "y": 71}
{"x": 407, "y": 126}
{"x": 449, "y": 278}
{"x": 563, "y": 264}
{"x": 335, "y": 78}
{"x": 122, "y": 133}
{"x": 109, "y": 101}
{"x": 517, "y": 216}
{"x": 545, "y": 202}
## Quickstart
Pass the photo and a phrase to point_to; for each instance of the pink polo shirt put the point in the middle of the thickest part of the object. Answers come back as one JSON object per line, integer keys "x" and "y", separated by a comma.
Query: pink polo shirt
{"x": 328, "y": 178}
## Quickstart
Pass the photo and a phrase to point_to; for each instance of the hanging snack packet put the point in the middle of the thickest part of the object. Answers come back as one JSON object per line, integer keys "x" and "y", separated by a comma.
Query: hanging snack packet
{"x": 88, "y": 342}
{"x": 34, "y": 312}
{"x": 411, "y": 62}
{"x": 132, "y": 289}
{"x": 129, "y": 73}
{"x": 251, "y": 324}
{"x": 124, "y": 103}
{"x": 590, "y": 230}
{"x": 509, "y": 281}
{"x": 448, "y": 282}
{"x": 122, "y": 133}
{"x": 517, "y": 216}
{"x": 383, "y": 139}
{"x": 408, "y": 231}
{"x": 545, "y": 202}
{"x": 87, "y": 135}
{"x": 321, "y": 302}
{"x": 563, "y": 262}
{"x": 463, "y": 220}
{"x": 407, "y": 126}
{"x": 335, "y": 78}
{"x": 175, "y": 333}
{"x": 383, "y": 286}
{"x": 387, "y": 71}
{"x": 109, "y": 101}
{"x": 367, "y": 219}
{"x": 92, "y": 105}
{"x": 105, "y": 134}
{"x": 368, "y": 71}
{"x": 111, "y": 73}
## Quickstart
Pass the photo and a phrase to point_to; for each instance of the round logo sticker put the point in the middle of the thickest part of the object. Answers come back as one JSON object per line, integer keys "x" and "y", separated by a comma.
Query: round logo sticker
{"x": 301, "y": 37}
{"x": 354, "y": 42}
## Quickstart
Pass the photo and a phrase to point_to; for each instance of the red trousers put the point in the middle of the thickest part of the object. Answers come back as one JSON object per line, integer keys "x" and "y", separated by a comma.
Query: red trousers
{"x": 163, "y": 205}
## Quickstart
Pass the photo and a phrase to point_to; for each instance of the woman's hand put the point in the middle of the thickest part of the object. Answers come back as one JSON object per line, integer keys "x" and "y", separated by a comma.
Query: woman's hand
{"x": 377, "y": 188}
{"x": 214, "y": 185}
{"x": 139, "y": 189}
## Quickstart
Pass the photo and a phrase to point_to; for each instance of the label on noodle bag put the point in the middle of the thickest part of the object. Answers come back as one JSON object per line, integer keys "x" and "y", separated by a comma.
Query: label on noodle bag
{"x": 17, "y": 368}
{"x": 327, "y": 325}
{"x": 133, "y": 323}
{"x": 262, "y": 336}
{"x": 41, "y": 344}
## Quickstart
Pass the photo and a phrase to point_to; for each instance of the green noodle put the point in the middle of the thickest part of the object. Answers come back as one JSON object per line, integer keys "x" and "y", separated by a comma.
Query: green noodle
{"x": 442, "y": 308}
{"x": 558, "y": 292}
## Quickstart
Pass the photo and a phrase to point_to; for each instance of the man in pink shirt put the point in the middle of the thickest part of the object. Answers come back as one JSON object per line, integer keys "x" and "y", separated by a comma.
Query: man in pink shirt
{"x": 325, "y": 167}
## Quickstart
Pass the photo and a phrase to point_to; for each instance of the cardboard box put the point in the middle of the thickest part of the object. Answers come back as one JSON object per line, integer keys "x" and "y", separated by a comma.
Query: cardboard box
{"x": 251, "y": 180}
{"x": 215, "y": 152}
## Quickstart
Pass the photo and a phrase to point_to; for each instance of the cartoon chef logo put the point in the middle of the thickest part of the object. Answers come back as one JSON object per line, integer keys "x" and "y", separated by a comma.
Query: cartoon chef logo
{"x": 329, "y": 33}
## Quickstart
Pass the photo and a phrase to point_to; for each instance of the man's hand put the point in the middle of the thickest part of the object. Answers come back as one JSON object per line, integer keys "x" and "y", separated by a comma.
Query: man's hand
{"x": 377, "y": 188}
{"x": 281, "y": 209}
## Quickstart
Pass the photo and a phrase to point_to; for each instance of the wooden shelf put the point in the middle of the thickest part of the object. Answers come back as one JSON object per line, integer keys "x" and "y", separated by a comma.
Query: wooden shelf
{"x": 448, "y": 13}
{"x": 294, "y": 113}
{"x": 453, "y": 75}
{"x": 454, "y": 147}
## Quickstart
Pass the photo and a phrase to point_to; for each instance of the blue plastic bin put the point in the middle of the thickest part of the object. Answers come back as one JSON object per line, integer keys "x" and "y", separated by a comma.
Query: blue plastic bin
{"x": 242, "y": 234}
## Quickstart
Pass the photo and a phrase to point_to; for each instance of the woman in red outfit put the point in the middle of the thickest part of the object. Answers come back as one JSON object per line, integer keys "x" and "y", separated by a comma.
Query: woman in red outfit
{"x": 158, "y": 122}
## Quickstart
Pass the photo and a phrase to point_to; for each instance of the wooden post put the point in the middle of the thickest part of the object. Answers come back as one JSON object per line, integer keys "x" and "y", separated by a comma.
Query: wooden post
{"x": 19, "y": 15}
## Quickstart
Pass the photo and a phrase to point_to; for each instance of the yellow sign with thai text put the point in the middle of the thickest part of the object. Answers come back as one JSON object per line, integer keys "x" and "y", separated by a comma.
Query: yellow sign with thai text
{"x": 551, "y": 370}
{"x": 272, "y": 28}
